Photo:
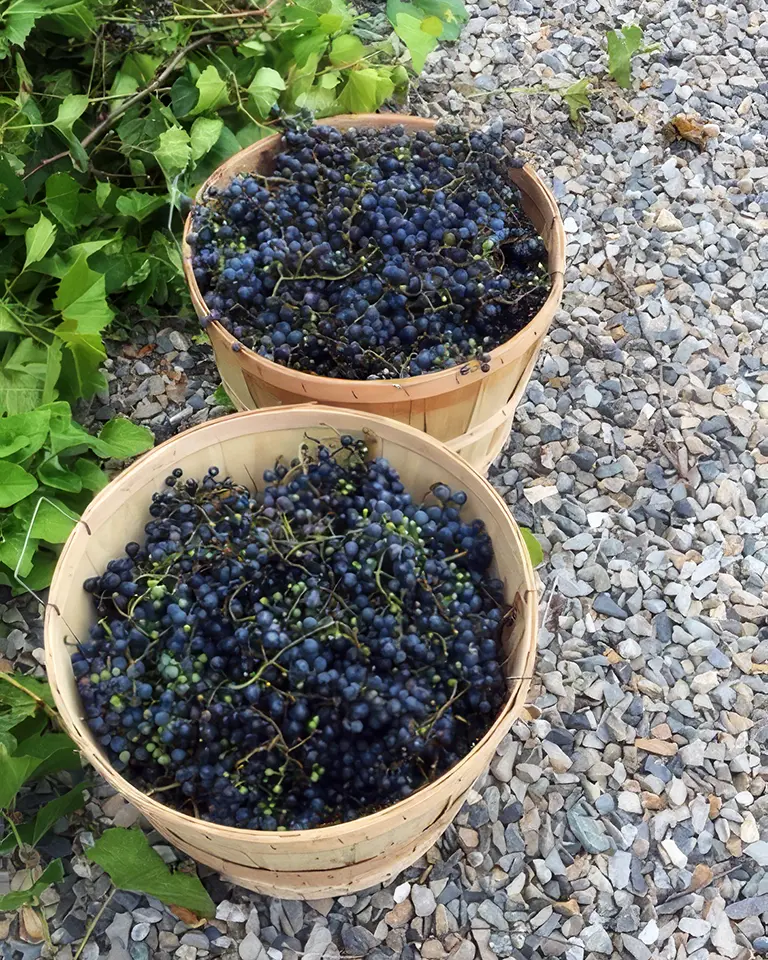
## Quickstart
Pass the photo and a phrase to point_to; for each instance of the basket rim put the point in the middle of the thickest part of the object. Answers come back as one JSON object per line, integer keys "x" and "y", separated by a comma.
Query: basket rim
{"x": 424, "y": 385}
{"x": 55, "y": 625}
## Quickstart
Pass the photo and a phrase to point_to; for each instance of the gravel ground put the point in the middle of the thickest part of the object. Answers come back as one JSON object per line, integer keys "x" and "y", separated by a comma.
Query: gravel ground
{"x": 627, "y": 816}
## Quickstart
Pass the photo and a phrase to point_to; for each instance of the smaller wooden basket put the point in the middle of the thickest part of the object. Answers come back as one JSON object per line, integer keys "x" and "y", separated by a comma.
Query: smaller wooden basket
{"x": 472, "y": 413}
{"x": 327, "y": 861}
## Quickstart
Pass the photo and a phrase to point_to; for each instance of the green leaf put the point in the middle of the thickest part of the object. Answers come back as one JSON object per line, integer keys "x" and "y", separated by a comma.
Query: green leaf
{"x": 576, "y": 98}
{"x": 120, "y": 438}
{"x": 15, "y": 483}
{"x": 184, "y": 96}
{"x": 14, "y": 540}
{"x": 9, "y": 323}
{"x": 14, "y": 771}
{"x": 15, "y": 705}
{"x": 39, "y": 240}
{"x": 11, "y": 186}
{"x": 265, "y": 89}
{"x": 66, "y": 436}
{"x": 204, "y": 134}
{"x": 433, "y": 26}
{"x": 53, "y": 873}
{"x": 133, "y": 865}
{"x": 222, "y": 399}
{"x": 92, "y": 477}
{"x": 452, "y": 13}
{"x": 32, "y": 426}
{"x": 53, "y": 474}
{"x": 173, "y": 151}
{"x": 22, "y": 376}
{"x": 52, "y": 751}
{"x": 212, "y": 90}
{"x": 62, "y": 197}
{"x": 52, "y": 371}
{"x": 38, "y": 578}
{"x": 70, "y": 110}
{"x": 364, "y": 91}
{"x": 81, "y": 298}
{"x": 420, "y": 42}
{"x": 533, "y": 545}
{"x": 139, "y": 205}
{"x": 47, "y": 816}
{"x": 621, "y": 48}
{"x": 53, "y": 521}
{"x": 346, "y": 50}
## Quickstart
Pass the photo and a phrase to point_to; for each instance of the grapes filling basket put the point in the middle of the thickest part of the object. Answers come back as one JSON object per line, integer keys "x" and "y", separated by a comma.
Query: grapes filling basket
{"x": 330, "y": 860}
{"x": 469, "y": 409}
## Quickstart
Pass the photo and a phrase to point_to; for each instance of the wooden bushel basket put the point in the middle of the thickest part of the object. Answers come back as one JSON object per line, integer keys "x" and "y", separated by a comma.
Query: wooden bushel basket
{"x": 473, "y": 413}
{"x": 327, "y": 861}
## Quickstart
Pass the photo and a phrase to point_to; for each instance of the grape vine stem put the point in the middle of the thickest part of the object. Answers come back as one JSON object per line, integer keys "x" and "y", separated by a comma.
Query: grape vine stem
{"x": 93, "y": 923}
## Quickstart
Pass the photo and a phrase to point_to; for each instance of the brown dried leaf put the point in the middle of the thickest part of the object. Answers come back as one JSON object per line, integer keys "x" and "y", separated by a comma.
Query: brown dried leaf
{"x": 687, "y": 126}
{"x": 188, "y": 916}
{"x": 30, "y": 925}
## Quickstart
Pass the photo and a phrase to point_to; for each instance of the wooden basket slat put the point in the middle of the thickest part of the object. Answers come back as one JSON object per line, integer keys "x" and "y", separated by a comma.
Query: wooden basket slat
{"x": 444, "y": 409}
{"x": 335, "y": 859}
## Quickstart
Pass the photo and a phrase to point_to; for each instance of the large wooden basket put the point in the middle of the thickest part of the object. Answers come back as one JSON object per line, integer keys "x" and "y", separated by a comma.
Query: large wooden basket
{"x": 473, "y": 413}
{"x": 332, "y": 860}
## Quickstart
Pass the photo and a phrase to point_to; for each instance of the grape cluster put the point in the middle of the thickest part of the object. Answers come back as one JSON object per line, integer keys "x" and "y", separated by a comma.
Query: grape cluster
{"x": 300, "y": 656}
{"x": 372, "y": 254}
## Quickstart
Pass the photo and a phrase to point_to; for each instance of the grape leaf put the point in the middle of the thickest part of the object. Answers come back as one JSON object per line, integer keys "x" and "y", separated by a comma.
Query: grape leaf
{"x": 138, "y": 205}
{"x": 11, "y": 187}
{"x": 120, "y": 438}
{"x": 38, "y": 691}
{"x": 346, "y": 50}
{"x": 53, "y": 873}
{"x": 173, "y": 151}
{"x": 70, "y": 110}
{"x": 39, "y": 240}
{"x": 81, "y": 298}
{"x": 14, "y": 771}
{"x": 15, "y": 483}
{"x": 621, "y": 49}
{"x": 212, "y": 91}
{"x": 92, "y": 477}
{"x": 204, "y": 134}
{"x": 265, "y": 89}
{"x": 52, "y": 751}
{"x": 433, "y": 26}
{"x": 53, "y": 474}
{"x": 364, "y": 91}
{"x": 222, "y": 399}
{"x": 15, "y": 706}
{"x": 13, "y": 540}
{"x": 452, "y": 13}
{"x": 576, "y": 98}
{"x": 321, "y": 98}
{"x": 47, "y": 816}
{"x": 53, "y": 520}
{"x": 62, "y": 198}
{"x": 420, "y": 42}
{"x": 23, "y": 371}
{"x": 533, "y": 545}
{"x": 184, "y": 96}
{"x": 38, "y": 578}
{"x": 32, "y": 426}
{"x": 133, "y": 865}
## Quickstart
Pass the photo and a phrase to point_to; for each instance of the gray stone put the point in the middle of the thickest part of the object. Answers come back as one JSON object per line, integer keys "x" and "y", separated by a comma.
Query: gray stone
{"x": 251, "y": 948}
{"x": 423, "y": 900}
{"x": 605, "y": 604}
